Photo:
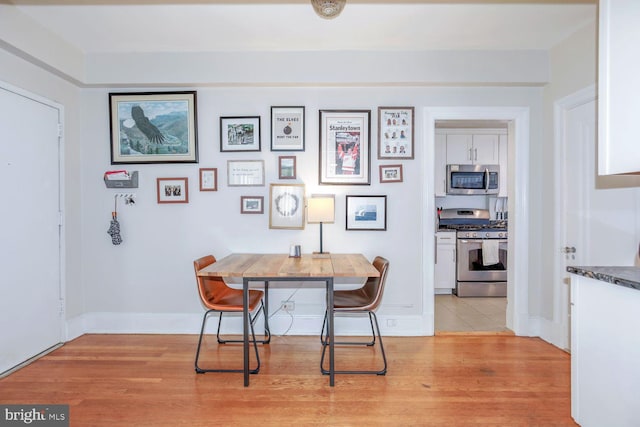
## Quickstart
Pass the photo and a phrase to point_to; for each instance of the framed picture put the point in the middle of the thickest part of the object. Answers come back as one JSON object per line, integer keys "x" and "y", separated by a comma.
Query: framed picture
{"x": 395, "y": 132}
{"x": 390, "y": 173}
{"x": 153, "y": 127}
{"x": 245, "y": 173}
{"x": 208, "y": 179}
{"x": 367, "y": 213}
{"x": 251, "y": 204}
{"x": 287, "y": 167}
{"x": 345, "y": 144}
{"x": 286, "y": 206}
{"x": 287, "y": 128}
{"x": 173, "y": 190}
{"x": 240, "y": 133}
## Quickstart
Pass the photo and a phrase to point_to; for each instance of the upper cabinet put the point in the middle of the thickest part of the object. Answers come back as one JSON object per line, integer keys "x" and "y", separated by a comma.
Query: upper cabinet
{"x": 618, "y": 87}
{"x": 472, "y": 149}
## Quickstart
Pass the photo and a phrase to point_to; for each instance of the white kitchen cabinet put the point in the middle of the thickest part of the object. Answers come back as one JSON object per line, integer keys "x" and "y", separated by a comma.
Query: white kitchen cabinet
{"x": 440, "y": 165}
{"x": 472, "y": 149}
{"x": 618, "y": 86}
{"x": 605, "y": 353}
{"x": 504, "y": 169}
{"x": 445, "y": 269}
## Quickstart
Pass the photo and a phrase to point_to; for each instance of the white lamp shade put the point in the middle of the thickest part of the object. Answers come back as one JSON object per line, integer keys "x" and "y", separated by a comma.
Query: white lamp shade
{"x": 321, "y": 209}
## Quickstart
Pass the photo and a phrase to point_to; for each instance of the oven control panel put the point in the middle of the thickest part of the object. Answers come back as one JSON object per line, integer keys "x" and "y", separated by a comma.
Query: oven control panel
{"x": 482, "y": 234}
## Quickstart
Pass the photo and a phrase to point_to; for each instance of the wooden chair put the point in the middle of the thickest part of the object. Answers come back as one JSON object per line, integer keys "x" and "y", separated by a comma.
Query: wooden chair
{"x": 363, "y": 300}
{"x": 217, "y": 297}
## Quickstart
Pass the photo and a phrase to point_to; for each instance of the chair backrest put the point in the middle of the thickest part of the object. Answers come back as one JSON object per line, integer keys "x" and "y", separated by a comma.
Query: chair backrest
{"x": 375, "y": 285}
{"x": 208, "y": 287}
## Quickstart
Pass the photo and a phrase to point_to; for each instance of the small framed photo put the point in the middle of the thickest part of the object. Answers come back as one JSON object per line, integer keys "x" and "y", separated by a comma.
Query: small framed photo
{"x": 345, "y": 144}
{"x": 286, "y": 206}
{"x": 287, "y": 128}
{"x": 251, "y": 204}
{"x": 239, "y": 134}
{"x": 287, "y": 167}
{"x": 153, "y": 127}
{"x": 173, "y": 190}
{"x": 395, "y": 132}
{"x": 367, "y": 213}
{"x": 245, "y": 173}
{"x": 390, "y": 173}
{"x": 208, "y": 179}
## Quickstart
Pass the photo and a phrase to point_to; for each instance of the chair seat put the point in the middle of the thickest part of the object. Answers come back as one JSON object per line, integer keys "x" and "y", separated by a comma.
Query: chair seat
{"x": 230, "y": 300}
{"x": 357, "y": 299}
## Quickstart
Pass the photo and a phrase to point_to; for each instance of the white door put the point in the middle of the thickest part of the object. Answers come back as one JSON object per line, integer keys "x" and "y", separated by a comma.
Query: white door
{"x": 578, "y": 169}
{"x": 30, "y": 288}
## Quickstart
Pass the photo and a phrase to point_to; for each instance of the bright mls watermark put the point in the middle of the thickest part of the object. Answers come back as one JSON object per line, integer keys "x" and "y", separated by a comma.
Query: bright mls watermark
{"x": 34, "y": 415}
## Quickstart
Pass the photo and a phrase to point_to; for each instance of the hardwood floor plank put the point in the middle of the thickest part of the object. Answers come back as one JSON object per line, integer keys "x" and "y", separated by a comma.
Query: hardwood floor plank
{"x": 149, "y": 380}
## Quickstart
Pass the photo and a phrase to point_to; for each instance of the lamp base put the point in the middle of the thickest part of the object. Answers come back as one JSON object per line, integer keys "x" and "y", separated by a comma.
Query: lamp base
{"x": 321, "y": 255}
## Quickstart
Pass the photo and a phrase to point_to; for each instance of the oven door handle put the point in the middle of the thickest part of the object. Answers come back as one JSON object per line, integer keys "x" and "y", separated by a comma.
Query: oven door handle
{"x": 479, "y": 240}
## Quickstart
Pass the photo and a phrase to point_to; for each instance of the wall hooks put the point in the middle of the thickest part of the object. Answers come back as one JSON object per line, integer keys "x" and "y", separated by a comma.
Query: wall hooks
{"x": 129, "y": 198}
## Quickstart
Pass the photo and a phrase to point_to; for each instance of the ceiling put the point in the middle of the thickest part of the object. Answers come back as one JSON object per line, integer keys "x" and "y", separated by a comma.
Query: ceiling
{"x": 120, "y": 26}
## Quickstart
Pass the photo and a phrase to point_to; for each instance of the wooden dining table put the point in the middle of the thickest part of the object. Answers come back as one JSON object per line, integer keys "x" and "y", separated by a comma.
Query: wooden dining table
{"x": 268, "y": 268}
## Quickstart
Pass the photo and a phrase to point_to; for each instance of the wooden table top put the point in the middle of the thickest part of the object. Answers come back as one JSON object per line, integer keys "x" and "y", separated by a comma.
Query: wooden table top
{"x": 282, "y": 265}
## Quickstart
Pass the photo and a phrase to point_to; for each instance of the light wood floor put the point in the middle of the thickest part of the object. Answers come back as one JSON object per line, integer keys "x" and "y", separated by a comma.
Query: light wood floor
{"x": 149, "y": 380}
{"x": 475, "y": 314}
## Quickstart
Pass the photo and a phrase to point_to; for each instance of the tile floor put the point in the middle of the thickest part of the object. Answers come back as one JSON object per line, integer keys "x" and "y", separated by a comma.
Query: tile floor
{"x": 476, "y": 314}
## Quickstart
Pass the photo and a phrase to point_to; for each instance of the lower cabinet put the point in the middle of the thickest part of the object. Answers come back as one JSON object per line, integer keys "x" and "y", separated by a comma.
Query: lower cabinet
{"x": 605, "y": 353}
{"x": 445, "y": 270}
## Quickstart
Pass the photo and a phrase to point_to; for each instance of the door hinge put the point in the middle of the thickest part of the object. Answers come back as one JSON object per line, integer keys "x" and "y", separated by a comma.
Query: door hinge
{"x": 60, "y": 218}
{"x": 59, "y": 130}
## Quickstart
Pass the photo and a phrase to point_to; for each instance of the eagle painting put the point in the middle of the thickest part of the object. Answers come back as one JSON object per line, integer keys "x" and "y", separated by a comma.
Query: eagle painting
{"x": 149, "y": 130}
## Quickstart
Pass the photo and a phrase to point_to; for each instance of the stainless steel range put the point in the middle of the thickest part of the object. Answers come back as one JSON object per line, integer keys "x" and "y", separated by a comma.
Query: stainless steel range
{"x": 481, "y": 248}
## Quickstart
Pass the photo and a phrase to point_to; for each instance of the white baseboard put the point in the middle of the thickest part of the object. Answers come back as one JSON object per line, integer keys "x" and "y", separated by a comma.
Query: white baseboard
{"x": 190, "y": 323}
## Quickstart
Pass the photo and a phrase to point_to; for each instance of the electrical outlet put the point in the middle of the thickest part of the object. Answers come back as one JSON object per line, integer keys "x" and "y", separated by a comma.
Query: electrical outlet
{"x": 288, "y": 305}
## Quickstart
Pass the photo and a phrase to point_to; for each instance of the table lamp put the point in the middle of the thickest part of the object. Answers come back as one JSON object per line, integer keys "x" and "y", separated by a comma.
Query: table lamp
{"x": 321, "y": 209}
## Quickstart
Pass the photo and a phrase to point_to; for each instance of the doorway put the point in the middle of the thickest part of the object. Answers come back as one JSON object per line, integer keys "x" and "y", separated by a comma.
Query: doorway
{"x": 31, "y": 307}
{"x": 488, "y": 139}
{"x": 517, "y": 118}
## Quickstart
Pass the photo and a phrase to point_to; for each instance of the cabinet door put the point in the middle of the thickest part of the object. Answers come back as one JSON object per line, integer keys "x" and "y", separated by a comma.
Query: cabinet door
{"x": 485, "y": 150}
{"x": 504, "y": 162}
{"x": 618, "y": 86}
{"x": 445, "y": 268}
{"x": 440, "y": 166}
{"x": 459, "y": 149}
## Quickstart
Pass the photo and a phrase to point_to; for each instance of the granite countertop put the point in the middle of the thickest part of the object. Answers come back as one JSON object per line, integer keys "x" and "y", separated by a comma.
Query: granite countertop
{"x": 629, "y": 277}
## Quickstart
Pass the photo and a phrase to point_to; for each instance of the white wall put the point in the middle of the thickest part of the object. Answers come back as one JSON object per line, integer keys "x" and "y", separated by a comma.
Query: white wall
{"x": 150, "y": 275}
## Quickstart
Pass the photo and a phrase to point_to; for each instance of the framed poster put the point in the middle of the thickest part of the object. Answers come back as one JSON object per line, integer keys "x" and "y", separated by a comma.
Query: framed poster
{"x": 153, "y": 127}
{"x": 245, "y": 173}
{"x": 173, "y": 190}
{"x": 287, "y": 167}
{"x": 367, "y": 213}
{"x": 390, "y": 173}
{"x": 208, "y": 179}
{"x": 286, "y": 206}
{"x": 345, "y": 144}
{"x": 251, "y": 204}
{"x": 287, "y": 128}
{"x": 395, "y": 132}
{"x": 239, "y": 134}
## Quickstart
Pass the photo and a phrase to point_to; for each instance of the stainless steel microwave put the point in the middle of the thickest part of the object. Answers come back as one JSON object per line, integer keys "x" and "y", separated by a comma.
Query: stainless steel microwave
{"x": 473, "y": 179}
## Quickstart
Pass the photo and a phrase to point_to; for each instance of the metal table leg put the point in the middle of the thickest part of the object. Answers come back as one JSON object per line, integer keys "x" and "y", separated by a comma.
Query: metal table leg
{"x": 330, "y": 318}
{"x": 245, "y": 328}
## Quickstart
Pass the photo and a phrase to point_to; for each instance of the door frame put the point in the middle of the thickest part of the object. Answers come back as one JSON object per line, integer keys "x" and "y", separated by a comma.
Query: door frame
{"x": 61, "y": 203}
{"x": 518, "y": 207}
{"x": 559, "y": 331}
